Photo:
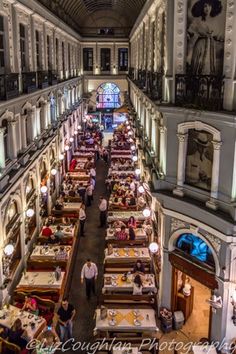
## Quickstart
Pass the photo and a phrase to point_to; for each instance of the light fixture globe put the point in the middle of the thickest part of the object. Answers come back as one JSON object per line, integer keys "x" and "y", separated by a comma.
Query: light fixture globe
{"x": 128, "y": 127}
{"x": 43, "y": 189}
{"x": 71, "y": 140}
{"x": 84, "y": 120}
{"x": 135, "y": 158}
{"x": 153, "y": 247}
{"x": 75, "y": 132}
{"x": 67, "y": 147}
{"x": 141, "y": 189}
{"x": 30, "y": 212}
{"x": 61, "y": 157}
{"x": 146, "y": 212}
{"x": 137, "y": 171}
{"x": 130, "y": 133}
{"x": 79, "y": 127}
{"x": 132, "y": 147}
{"x": 9, "y": 249}
{"x": 53, "y": 171}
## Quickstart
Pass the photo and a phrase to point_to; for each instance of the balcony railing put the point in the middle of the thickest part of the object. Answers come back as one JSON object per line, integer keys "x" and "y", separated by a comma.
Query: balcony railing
{"x": 199, "y": 92}
{"x": 150, "y": 82}
{"x": 52, "y": 77}
{"x": 9, "y": 86}
{"x": 29, "y": 82}
{"x": 42, "y": 79}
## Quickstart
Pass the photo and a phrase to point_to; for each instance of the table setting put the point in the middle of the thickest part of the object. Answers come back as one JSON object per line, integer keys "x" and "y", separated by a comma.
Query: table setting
{"x": 127, "y": 254}
{"x": 47, "y": 252}
{"x": 41, "y": 280}
{"x": 124, "y": 282}
{"x": 33, "y": 324}
{"x": 124, "y": 215}
{"x": 139, "y": 233}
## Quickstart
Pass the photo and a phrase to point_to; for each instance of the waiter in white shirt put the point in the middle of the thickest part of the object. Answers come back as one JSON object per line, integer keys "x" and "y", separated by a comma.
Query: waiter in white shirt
{"x": 82, "y": 218}
{"x": 93, "y": 172}
{"x": 103, "y": 211}
{"x": 89, "y": 273}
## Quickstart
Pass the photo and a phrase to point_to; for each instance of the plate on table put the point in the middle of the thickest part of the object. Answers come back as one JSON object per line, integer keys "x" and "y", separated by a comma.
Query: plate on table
{"x": 112, "y": 312}
{"x": 137, "y": 323}
{"x": 112, "y": 322}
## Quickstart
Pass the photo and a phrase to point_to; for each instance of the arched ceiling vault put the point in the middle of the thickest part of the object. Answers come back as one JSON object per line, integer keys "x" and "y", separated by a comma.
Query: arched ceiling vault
{"x": 82, "y": 15}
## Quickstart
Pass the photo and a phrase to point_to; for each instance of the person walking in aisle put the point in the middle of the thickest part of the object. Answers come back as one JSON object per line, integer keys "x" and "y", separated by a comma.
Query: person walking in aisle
{"x": 103, "y": 211}
{"x": 82, "y": 218}
{"x": 89, "y": 192}
{"x": 89, "y": 273}
{"x": 65, "y": 314}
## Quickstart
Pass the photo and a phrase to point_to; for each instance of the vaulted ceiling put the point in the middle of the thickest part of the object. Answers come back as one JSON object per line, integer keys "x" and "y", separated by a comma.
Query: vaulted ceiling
{"x": 87, "y": 16}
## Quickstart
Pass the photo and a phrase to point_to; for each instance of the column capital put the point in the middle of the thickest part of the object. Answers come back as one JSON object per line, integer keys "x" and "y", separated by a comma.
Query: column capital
{"x": 2, "y": 130}
{"x": 182, "y": 137}
{"x": 216, "y": 144}
{"x": 12, "y": 123}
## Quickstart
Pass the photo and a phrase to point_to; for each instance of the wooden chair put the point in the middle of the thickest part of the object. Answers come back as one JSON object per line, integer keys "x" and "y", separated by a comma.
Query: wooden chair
{"x": 121, "y": 243}
{"x": 66, "y": 240}
{"x": 50, "y": 294}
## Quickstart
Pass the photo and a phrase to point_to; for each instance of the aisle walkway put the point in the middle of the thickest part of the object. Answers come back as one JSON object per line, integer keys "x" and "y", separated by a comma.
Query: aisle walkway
{"x": 91, "y": 246}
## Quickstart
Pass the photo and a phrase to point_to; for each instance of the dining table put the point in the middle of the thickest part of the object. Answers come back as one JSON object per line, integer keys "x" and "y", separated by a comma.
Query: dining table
{"x": 33, "y": 324}
{"x": 71, "y": 206}
{"x": 124, "y": 215}
{"x": 204, "y": 349}
{"x": 140, "y": 233}
{"x": 47, "y": 253}
{"x": 121, "y": 156}
{"x": 125, "y": 350}
{"x": 41, "y": 280}
{"x": 67, "y": 230}
{"x": 127, "y": 320}
{"x": 127, "y": 254}
{"x": 86, "y": 153}
{"x": 78, "y": 175}
{"x": 124, "y": 283}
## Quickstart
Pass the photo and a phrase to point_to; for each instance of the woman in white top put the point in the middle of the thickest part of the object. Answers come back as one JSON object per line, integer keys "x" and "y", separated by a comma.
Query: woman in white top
{"x": 137, "y": 285}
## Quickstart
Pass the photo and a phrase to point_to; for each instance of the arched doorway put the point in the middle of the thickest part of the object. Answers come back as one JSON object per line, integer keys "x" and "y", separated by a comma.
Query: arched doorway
{"x": 194, "y": 267}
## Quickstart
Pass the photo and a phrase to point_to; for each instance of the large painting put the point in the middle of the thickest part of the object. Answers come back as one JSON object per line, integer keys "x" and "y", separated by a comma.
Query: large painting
{"x": 205, "y": 33}
{"x": 199, "y": 159}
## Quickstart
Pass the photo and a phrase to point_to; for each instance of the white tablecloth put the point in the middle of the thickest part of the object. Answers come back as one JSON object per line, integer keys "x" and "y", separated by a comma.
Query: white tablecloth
{"x": 125, "y": 215}
{"x": 139, "y": 233}
{"x": 118, "y": 285}
{"x": 71, "y": 206}
{"x": 128, "y": 255}
{"x": 41, "y": 253}
{"x": 14, "y": 312}
{"x": 147, "y": 316}
{"x": 41, "y": 280}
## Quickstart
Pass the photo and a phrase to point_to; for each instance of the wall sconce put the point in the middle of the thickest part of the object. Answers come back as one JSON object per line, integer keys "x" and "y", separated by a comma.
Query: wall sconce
{"x": 67, "y": 147}
{"x": 153, "y": 247}
{"x": 9, "y": 249}
{"x": 233, "y": 302}
{"x": 71, "y": 140}
{"x": 29, "y": 213}
{"x": 61, "y": 157}
{"x": 53, "y": 171}
{"x": 43, "y": 189}
{"x": 137, "y": 171}
{"x": 146, "y": 212}
{"x": 141, "y": 189}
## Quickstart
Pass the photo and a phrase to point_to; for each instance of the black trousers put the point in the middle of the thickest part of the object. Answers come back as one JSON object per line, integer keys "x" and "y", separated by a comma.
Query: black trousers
{"x": 90, "y": 287}
{"x": 103, "y": 218}
{"x": 89, "y": 200}
{"x": 82, "y": 222}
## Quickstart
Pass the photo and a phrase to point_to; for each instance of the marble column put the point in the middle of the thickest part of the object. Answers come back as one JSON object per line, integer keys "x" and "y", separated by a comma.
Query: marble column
{"x": 163, "y": 149}
{"x": 2, "y": 148}
{"x": 43, "y": 114}
{"x": 215, "y": 175}
{"x": 23, "y": 128}
{"x": 29, "y": 128}
{"x": 183, "y": 138}
{"x": 12, "y": 139}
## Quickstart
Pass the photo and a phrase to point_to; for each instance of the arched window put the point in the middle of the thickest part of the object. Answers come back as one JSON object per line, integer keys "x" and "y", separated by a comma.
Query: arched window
{"x": 108, "y": 96}
{"x": 29, "y": 189}
{"x": 195, "y": 247}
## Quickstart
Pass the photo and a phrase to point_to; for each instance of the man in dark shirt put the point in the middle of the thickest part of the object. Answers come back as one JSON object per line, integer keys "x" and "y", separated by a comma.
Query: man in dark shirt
{"x": 66, "y": 314}
{"x": 82, "y": 191}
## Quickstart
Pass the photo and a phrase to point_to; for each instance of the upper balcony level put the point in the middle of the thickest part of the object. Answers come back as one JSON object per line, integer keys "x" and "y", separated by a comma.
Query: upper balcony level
{"x": 203, "y": 92}
{"x": 13, "y": 85}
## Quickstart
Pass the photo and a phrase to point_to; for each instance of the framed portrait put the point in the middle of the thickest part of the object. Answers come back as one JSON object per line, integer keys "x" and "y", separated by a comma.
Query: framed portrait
{"x": 199, "y": 159}
{"x": 206, "y": 35}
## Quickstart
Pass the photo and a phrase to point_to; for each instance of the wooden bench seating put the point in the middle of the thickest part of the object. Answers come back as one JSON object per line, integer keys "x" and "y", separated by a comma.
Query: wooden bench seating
{"x": 69, "y": 199}
{"x": 46, "y": 265}
{"x": 122, "y": 300}
{"x": 50, "y": 294}
{"x": 113, "y": 207}
{"x": 66, "y": 240}
{"x": 122, "y": 267}
{"x": 68, "y": 213}
{"x": 129, "y": 243}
